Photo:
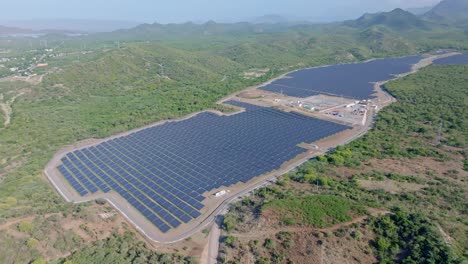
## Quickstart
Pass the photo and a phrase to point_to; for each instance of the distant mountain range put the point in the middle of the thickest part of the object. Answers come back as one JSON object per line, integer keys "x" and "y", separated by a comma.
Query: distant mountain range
{"x": 270, "y": 19}
{"x": 447, "y": 12}
{"x": 453, "y": 12}
{"x": 450, "y": 11}
{"x": 280, "y": 19}
{"x": 71, "y": 25}
{"x": 397, "y": 19}
{"x": 158, "y": 31}
{"x": 420, "y": 10}
{"x": 12, "y": 30}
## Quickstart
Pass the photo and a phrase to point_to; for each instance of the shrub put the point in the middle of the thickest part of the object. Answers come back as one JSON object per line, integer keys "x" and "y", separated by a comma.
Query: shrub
{"x": 25, "y": 227}
{"x": 356, "y": 235}
{"x": 230, "y": 240}
{"x": 269, "y": 243}
{"x": 101, "y": 201}
{"x": 32, "y": 242}
{"x": 228, "y": 224}
{"x": 288, "y": 243}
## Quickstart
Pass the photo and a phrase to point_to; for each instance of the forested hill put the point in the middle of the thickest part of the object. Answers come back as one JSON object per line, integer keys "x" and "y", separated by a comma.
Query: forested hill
{"x": 453, "y": 12}
{"x": 397, "y": 19}
{"x": 158, "y": 31}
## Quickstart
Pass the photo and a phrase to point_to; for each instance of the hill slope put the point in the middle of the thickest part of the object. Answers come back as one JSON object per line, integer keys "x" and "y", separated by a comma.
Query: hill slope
{"x": 450, "y": 11}
{"x": 397, "y": 19}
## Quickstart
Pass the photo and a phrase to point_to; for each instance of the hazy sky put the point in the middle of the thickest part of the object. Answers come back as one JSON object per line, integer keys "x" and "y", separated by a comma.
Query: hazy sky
{"x": 195, "y": 10}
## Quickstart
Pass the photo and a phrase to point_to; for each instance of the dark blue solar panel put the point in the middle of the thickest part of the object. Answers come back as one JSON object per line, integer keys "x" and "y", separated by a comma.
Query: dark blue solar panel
{"x": 354, "y": 80}
{"x": 461, "y": 59}
{"x": 79, "y": 175}
{"x": 164, "y": 171}
{"x": 73, "y": 182}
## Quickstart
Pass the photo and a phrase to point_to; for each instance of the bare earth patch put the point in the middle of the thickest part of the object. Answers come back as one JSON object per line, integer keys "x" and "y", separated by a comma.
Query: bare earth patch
{"x": 390, "y": 186}
{"x": 7, "y": 110}
{"x": 255, "y": 73}
{"x": 418, "y": 167}
{"x": 337, "y": 246}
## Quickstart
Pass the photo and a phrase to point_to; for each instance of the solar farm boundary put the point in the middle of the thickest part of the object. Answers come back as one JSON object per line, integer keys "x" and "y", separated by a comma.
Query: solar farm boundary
{"x": 220, "y": 209}
{"x": 287, "y": 74}
{"x": 210, "y": 218}
{"x": 52, "y": 176}
{"x": 433, "y": 56}
{"x": 69, "y": 194}
{"x": 429, "y": 57}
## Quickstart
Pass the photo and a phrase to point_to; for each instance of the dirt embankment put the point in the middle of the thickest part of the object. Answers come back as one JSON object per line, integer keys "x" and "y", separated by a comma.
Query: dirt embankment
{"x": 7, "y": 110}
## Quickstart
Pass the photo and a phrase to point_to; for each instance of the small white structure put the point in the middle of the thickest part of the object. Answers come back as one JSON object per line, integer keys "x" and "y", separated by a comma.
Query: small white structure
{"x": 220, "y": 193}
{"x": 314, "y": 146}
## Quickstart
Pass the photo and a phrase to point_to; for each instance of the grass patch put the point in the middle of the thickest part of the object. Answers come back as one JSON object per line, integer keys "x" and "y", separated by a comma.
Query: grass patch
{"x": 316, "y": 211}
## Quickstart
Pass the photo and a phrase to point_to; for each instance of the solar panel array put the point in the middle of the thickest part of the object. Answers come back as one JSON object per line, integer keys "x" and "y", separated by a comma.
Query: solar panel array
{"x": 352, "y": 80}
{"x": 163, "y": 171}
{"x": 461, "y": 59}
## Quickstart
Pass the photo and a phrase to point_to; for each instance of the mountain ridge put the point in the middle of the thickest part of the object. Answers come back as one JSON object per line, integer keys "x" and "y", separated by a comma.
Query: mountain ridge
{"x": 397, "y": 19}
{"x": 449, "y": 11}
{"x": 14, "y": 30}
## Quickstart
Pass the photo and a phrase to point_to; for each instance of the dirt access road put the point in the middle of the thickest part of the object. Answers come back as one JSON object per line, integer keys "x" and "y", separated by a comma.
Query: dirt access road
{"x": 210, "y": 253}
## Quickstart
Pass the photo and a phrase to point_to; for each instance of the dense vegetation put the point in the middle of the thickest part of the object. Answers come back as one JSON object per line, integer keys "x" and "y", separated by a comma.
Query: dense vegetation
{"x": 124, "y": 248}
{"x": 409, "y": 238}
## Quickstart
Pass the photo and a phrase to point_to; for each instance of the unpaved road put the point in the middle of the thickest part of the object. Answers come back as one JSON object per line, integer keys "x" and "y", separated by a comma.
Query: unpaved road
{"x": 210, "y": 253}
{"x": 15, "y": 221}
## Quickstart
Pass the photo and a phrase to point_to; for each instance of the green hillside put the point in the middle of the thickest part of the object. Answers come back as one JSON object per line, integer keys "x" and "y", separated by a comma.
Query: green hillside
{"x": 397, "y": 19}
{"x": 453, "y": 12}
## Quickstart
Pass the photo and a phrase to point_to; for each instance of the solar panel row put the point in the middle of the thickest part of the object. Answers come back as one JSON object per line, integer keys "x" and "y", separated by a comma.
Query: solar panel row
{"x": 461, "y": 59}
{"x": 163, "y": 171}
{"x": 354, "y": 80}
{"x": 73, "y": 182}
